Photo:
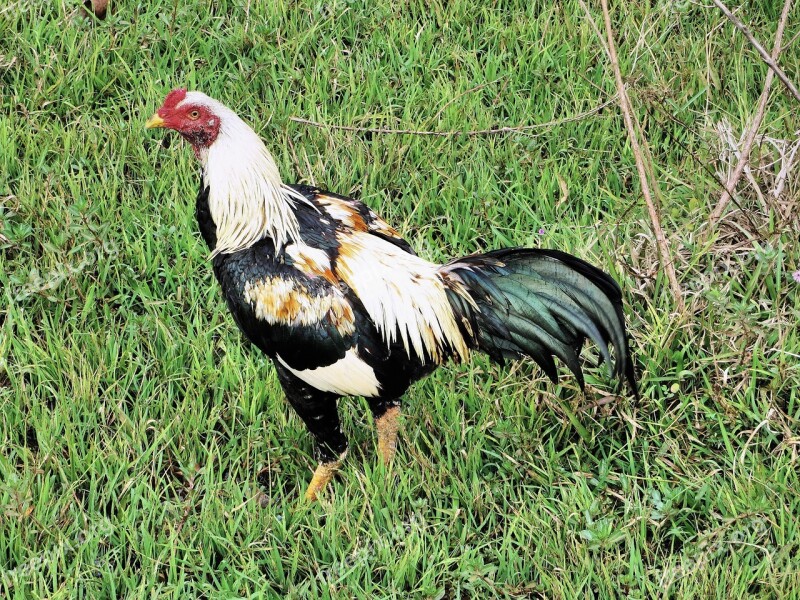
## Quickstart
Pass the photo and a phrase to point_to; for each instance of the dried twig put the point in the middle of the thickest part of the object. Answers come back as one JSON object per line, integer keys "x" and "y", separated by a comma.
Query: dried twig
{"x": 605, "y": 400}
{"x": 593, "y": 25}
{"x": 718, "y": 179}
{"x": 744, "y": 157}
{"x": 476, "y": 132}
{"x": 174, "y": 16}
{"x": 771, "y": 61}
{"x": 787, "y": 161}
{"x": 652, "y": 209}
{"x": 791, "y": 41}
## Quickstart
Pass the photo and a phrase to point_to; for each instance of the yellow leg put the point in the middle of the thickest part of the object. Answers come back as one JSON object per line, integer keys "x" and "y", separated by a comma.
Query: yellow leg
{"x": 323, "y": 474}
{"x": 387, "y": 425}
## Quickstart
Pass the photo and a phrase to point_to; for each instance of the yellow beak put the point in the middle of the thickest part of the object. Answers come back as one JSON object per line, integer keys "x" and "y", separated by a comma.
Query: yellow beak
{"x": 154, "y": 122}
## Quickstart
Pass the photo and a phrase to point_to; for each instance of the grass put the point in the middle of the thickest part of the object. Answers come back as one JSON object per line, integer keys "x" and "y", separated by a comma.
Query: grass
{"x": 147, "y": 452}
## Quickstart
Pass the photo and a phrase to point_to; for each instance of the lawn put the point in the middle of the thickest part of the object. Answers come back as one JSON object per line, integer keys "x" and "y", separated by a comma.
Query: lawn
{"x": 146, "y": 451}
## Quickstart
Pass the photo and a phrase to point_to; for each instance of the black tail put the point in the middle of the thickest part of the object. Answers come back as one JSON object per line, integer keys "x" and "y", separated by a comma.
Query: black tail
{"x": 539, "y": 303}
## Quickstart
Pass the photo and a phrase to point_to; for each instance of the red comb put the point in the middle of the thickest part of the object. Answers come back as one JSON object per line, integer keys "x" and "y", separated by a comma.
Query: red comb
{"x": 174, "y": 97}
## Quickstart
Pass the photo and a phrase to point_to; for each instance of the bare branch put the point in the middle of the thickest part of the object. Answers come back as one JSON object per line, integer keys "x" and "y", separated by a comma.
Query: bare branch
{"x": 744, "y": 158}
{"x": 473, "y": 133}
{"x": 593, "y": 25}
{"x": 631, "y": 126}
{"x": 771, "y": 61}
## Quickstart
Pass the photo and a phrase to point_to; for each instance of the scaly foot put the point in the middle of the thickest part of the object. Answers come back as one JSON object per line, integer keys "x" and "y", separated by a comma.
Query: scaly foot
{"x": 387, "y": 425}
{"x": 324, "y": 473}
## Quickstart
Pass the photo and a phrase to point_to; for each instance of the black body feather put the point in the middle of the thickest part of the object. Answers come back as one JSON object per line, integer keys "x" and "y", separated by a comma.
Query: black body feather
{"x": 518, "y": 302}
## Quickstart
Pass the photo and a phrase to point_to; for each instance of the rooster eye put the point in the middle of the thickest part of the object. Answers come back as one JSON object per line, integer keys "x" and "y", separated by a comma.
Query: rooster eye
{"x": 194, "y": 115}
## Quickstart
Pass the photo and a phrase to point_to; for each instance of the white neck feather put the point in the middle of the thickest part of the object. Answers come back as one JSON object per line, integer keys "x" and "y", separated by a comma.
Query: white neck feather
{"x": 247, "y": 199}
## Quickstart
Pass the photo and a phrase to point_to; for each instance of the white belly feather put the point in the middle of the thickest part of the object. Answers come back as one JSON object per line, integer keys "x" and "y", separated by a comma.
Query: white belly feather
{"x": 350, "y": 376}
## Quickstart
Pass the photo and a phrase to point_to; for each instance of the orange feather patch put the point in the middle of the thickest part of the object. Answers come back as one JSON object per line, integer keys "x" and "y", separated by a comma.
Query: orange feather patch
{"x": 343, "y": 211}
{"x": 286, "y": 302}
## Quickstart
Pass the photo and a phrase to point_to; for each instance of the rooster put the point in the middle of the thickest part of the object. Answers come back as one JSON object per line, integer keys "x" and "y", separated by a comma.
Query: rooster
{"x": 343, "y": 305}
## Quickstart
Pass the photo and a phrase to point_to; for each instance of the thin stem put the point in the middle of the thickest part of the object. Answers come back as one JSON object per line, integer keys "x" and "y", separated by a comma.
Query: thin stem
{"x": 769, "y": 60}
{"x": 476, "y": 132}
{"x": 631, "y": 126}
{"x": 744, "y": 157}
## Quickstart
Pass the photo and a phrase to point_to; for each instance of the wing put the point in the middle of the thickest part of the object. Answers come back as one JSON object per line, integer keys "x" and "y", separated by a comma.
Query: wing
{"x": 352, "y": 215}
{"x": 296, "y": 311}
{"x": 403, "y": 295}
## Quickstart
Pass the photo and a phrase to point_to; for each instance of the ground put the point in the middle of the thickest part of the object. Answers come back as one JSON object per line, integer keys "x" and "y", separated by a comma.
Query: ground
{"x": 146, "y": 451}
